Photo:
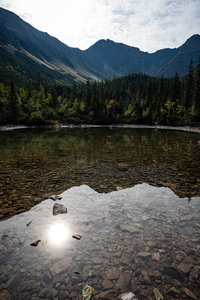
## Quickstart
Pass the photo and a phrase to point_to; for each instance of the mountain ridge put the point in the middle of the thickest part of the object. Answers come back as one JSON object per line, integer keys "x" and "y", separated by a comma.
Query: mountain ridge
{"x": 22, "y": 45}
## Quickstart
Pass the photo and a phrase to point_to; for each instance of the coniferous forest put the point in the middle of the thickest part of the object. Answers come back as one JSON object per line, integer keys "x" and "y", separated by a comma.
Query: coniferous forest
{"x": 131, "y": 99}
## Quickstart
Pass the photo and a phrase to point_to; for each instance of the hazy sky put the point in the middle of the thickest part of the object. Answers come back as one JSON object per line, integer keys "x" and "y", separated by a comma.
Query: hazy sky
{"x": 147, "y": 24}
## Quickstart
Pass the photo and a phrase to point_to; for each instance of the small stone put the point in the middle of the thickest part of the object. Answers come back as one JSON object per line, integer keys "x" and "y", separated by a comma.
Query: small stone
{"x": 35, "y": 243}
{"x": 151, "y": 244}
{"x": 59, "y": 209}
{"x": 97, "y": 260}
{"x": 156, "y": 256}
{"x": 77, "y": 272}
{"x": 145, "y": 276}
{"x": 158, "y": 295}
{"x": 185, "y": 268}
{"x": 190, "y": 294}
{"x": 55, "y": 197}
{"x": 119, "y": 188}
{"x": 60, "y": 266}
{"x": 107, "y": 284}
{"x": 77, "y": 236}
{"x": 48, "y": 293}
{"x": 173, "y": 291}
{"x": 144, "y": 254}
{"x": 29, "y": 223}
{"x": 106, "y": 295}
{"x": 112, "y": 274}
{"x": 129, "y": 228}
{"x": 126, "y": 259}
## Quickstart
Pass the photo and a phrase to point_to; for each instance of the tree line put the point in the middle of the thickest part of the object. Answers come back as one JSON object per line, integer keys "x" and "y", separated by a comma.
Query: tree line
{"x": 131, "y": 99}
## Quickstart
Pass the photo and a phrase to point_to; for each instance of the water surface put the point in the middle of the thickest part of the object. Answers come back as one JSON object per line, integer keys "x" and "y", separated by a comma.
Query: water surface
{"x": 136, "y": 239}
{"x": 141, "y": 237}
{"x": 36, "y": 162}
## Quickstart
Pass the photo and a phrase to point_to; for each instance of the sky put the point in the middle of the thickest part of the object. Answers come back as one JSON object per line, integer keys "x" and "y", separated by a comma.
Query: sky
{"x": 149, "y": 25}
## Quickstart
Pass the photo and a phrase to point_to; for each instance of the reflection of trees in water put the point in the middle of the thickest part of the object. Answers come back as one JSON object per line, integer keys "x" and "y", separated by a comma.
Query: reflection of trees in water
{"x": 37, "y": 161}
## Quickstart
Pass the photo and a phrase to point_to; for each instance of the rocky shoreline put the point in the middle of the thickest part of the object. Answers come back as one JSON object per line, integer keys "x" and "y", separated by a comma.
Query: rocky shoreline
{"x": 111, "y": 126}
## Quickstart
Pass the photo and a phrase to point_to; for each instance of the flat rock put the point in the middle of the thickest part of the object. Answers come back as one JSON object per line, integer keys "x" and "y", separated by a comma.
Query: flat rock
{"x": 97, "y": 260}
{"x": 60, "y": 266}
{"x": 151, "y": 244}
{"x": 185, "y": 268}
{"x": 190, "y": 294}
{"x": 123, "y": 281}
{"x": 106, "y": 295}
{"x": 156, "y": 256}
{"x": 126, "y": 259}
{"x": 173, "y": 291}
{"x": 107, "y": 284}
{"x": 112, "y": 274}
{"x": 144, "y": 254}
{"x": 130, "y": 228}
{"x": 48, "y": 293}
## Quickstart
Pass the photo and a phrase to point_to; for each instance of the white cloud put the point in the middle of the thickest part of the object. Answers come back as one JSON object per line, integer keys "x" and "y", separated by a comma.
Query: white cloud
{"x": 149, "y": 25}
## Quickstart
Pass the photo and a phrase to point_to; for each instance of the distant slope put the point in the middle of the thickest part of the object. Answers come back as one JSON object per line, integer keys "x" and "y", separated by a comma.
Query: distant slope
{"x": 25, "y": 51}
{"x": 30, "y": 45}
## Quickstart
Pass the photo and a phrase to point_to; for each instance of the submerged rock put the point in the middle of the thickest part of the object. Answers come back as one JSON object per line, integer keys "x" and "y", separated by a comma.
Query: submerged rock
{"x": 59, "y": 209}
{"x": 158, "y": 295}
{"x": 29, "y": 223}
{"x": 190, "y": 294}
{"x": 35, "y": 243}
{"x": 77, "y": 236}
{"x": 124, "y": 281}
{"x": 55, "y": 197}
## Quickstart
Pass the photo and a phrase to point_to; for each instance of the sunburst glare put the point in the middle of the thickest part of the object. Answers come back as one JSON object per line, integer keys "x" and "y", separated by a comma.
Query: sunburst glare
{"x": 58, "y": 233}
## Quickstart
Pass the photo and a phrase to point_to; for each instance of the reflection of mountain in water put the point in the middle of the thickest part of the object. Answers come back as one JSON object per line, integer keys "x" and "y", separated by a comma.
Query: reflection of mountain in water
{"x": 35, "y": 162}
{"x": 158, "y": 175}
{"x": 144, "y": 234}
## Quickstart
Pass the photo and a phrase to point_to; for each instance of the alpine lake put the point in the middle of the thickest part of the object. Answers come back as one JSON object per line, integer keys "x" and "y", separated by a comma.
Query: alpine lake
{"x": 132, "y": 222}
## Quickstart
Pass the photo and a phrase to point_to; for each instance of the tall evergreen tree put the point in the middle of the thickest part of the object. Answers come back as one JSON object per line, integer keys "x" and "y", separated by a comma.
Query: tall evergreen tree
{"x": 189, "y": 88}
{"x": 196, "y": 96}
{"x": 87, "y": 96}
{"x": 13, "y": 103}
{"x": 175, "y": 88}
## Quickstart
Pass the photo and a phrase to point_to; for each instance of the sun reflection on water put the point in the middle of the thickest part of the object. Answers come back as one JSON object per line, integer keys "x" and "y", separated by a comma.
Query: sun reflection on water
{"x": 59, "y": 233}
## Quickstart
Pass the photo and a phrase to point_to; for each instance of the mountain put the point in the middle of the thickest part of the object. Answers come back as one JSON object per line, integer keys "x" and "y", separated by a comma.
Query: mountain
{"x": 117, "y": 59}
{"x": 26, "y": 51}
